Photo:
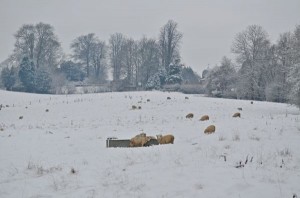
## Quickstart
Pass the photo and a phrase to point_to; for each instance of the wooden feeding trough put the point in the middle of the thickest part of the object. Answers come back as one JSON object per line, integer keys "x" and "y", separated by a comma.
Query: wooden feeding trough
{"x": 114, "y": 142}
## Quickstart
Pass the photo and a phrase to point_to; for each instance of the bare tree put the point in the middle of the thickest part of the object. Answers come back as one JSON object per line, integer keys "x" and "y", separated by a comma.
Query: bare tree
{"x": 98, "y": 54}
{"x": 169, "y": 42}
{"x": 25, "y": 40}
{"x": 82, "y": 49}
{"x": 130, "y": 60}
{"x": 39, "y": 43}
{"x": 116, "y": 46}
{"x": 149, "y": 59}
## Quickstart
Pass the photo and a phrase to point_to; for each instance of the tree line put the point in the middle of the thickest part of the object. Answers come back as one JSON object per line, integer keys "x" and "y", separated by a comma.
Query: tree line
{"x": 38, "y": 63}
{"x": 263, "y": 70}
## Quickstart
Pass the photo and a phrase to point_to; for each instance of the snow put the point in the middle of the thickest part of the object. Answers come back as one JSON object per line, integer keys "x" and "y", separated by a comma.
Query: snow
{"x": 38, "y": 152}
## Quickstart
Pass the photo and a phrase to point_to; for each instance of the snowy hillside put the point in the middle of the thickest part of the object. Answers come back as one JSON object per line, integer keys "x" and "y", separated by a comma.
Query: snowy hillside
{"x": 54, "y": 146}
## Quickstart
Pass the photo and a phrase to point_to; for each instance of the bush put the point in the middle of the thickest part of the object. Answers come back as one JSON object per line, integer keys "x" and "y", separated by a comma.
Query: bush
{"x": 192, "y": 89}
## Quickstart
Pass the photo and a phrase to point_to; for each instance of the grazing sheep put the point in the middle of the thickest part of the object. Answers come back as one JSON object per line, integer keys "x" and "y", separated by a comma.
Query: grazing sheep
{"x": 133, "y": 107}
{"x": 141, "y": 135}
{"x": 47, "y": 110}
{"x": 210, "y": 129}
{"x": 21, "y": 117}
{"x": 168, "y": 98}
{"x": 237, "y": 115}
{"x": 204, "y": 118}
{"x": 186, "y": 98}
{"x": 190, "y": 115}
{"x": 150, "y": 138}
{"x": 138, "y": 141}
{"x": 166, "y": 139}
{"x": 240, "y": 108}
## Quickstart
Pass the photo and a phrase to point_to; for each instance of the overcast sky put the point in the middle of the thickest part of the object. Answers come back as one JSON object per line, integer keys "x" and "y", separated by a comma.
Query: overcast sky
{"x": 209, "y": 26}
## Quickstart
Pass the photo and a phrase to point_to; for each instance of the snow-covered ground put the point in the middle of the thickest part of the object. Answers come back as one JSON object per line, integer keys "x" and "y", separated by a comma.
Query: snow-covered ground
{"x": 39, "y": 152}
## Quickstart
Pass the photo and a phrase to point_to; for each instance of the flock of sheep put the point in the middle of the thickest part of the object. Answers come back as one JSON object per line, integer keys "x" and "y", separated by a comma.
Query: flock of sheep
{"x": 141, "y": 139}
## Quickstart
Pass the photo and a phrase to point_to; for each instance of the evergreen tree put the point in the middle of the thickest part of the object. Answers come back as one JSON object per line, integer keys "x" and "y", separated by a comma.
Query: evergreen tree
{"x": 174, "y": 75}
{"x": 42, "y": 81}
{"x": 189, "y": 76}
{"x": 8, "y": 77}
{"x": 72, "y": 71}
{"x": 157, "y": 80}
{"x": 27, "y": 74}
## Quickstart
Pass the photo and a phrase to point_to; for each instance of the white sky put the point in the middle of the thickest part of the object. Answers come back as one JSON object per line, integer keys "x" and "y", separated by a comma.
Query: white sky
{"x": 209, "y": 26}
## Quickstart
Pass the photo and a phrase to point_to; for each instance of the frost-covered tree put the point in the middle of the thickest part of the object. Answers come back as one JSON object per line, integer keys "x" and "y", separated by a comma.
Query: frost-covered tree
{"x": 157, "y": 80}
{"x": 252, "y": 47}
{"x": 294, "y": 81}
{"x": 169, "y": 43}
{"x": 294, "y": 74}
{"x": 222, "y": 79}
{"x": 174, "y": 73}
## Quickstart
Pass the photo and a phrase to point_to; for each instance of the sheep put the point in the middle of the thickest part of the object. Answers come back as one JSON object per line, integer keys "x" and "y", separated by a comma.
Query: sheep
{"x": 210, "y": 129}
{"x": 47, "y": 110}
{"x": 166, "y": 139}
{"x": 134, "y": 107}
{"x": 168, "y": 98}
{"x": 21, "y": 117}
{"x": 190, "y": 115}
{"x": 240, "y": 108}
{"x": 186, "y": 98}
{"x": 151, "y": 141}
{"x": 236, "y": 115}
{"x": 150, "y": 138}
{"x": 204, "y": 118}
{"x": 141, "y": 135}
{"x": 251, "y": 102}
{"x": 148, "y": 100}
{"x": 138, "y": 140}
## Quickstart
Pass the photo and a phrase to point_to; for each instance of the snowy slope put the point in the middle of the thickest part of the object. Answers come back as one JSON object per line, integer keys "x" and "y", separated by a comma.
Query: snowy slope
{"x": 38, "y": 152}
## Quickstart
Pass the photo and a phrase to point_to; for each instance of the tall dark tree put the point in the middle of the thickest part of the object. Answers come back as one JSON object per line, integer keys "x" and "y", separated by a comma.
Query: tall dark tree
{"x": 189, "y": 76}
{"x": 9, "y": 77}
{"x": 169, "y": 42}
{"x": 42, "y": 81}
{"x": 99, "y": 53}
{"x": 72, "y": 71}
{"x": 39, "y": 43}
{"x": 116, "y": 47}
{"x": 148, "y": 59}
{"x": 27, "y": 74}
{"x": 82, "y": 50}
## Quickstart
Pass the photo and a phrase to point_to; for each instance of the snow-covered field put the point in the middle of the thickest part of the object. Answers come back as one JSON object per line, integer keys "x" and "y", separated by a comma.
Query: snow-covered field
{"x": 39, "y": 152}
